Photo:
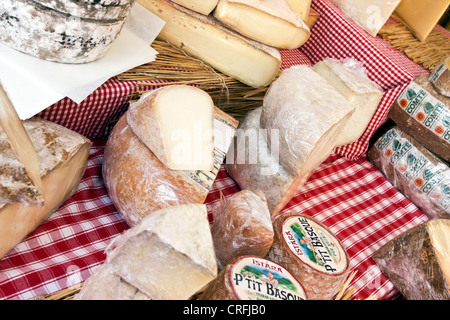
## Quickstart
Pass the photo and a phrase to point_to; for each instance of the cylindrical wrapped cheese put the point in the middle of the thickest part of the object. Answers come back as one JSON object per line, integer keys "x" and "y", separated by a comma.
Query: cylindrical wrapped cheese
{"x": 313, "y": 254}
{"x": 242, "y": 226}
{"x": 440, "y": 78}
{"x": 414, "y": 171}
{"x": 424, "y": 114}
{"x": 253, "y": 165}
{"x": 254, "y": 278}
{"x": 418, "y": 261}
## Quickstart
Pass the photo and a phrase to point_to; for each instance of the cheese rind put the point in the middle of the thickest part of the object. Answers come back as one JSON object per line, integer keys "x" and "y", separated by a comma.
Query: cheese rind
{"x": 271, "y": 22}
{"x": 169, "y": 255}
{"x": 204, "y": 38}
{"x": 418, "y": 261}
{"x": 254, "y": 278}
{"x": 91, "y": 9}
{"x": 348, "y": 78}
{"x": 313, "y": 254}
{"x": 309, "y": 115}
{"x": 440, "y": 78}
{"x": 177, "y": 124}
{"x": 201, "y": 6}
{"x": 68, "y": 40}
{"x": 253, "y": 165}
{"x": 62, "y": 155}
{"x": 242, "y": 226}
{"x": 421, "y": 16}
{"x": 20, "y": 178}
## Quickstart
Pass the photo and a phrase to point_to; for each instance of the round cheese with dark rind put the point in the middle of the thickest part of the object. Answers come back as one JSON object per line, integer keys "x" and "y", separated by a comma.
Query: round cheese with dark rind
{"x": 313, "y": 254}
{"x": 91, "y": 9}
{"x": 254, "y": 278}
{"x": 55, "y": 36}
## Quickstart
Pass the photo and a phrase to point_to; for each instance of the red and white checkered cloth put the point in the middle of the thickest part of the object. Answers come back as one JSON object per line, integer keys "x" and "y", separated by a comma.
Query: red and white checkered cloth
{"x": 347, "y": 194}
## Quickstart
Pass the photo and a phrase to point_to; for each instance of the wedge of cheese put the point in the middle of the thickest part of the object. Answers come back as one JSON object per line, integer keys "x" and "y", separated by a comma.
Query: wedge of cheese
{"x": 309, "y": 115}
{"x": 201, "y": 6}
{"x": 349, "y": 78}
{"x": 223, "y": 49}
{"x": 418, "y": 261}
{"x": 371, "y": 15}
{"x": 138, "y": 183}
{"x": 253, "y": 165}
{"x": 62, "y": 155}
{"x": 20, "y": 178}
{"x": 177, "y": 124}
{"x": 169, "y": 255}
{"x": 301, "y": 7}
{"x": 271, "y": 22}
{"x": 421, "y": 16}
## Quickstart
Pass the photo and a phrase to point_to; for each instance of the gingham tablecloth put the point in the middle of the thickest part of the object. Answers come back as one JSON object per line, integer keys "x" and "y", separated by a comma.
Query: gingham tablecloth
{"x": 346, "y": 193}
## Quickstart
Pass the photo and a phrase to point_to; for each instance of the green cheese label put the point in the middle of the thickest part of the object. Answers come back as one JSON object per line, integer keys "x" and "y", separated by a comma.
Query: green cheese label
{"x": 255, "y": 278}
{"x": 426, "y": 110}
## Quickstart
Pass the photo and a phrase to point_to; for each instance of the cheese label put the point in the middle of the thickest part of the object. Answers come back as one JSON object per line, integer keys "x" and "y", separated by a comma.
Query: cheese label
{"x": 314, "y": 245}
{"x": 223, "y": 134}
{"x": 428, "y": 111}
{"x": 430, "y": 179}
{"x": 255, "y": 278}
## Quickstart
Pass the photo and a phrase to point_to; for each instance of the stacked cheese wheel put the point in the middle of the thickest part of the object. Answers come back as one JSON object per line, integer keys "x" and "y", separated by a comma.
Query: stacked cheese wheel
{"x": 240, "y": 38}
{"x": 63, "y": 31}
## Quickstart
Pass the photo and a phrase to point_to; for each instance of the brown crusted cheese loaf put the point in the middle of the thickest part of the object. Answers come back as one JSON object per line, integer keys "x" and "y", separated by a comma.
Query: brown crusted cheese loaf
{"x": 62, "y": 156}
{"x": 414, "y": 171}
{"x": 251, "y": 164}
{"x": 242, "y": 226}
{"x": 418, "y": 261}
{"x": 91, "y": 9}
{"x": 51, "y": 35}
{"x": 440, "y": 78}
{"x": 254, "y": 278}
{"x": 424, "y": 114}
{"x": 313, "y": 254}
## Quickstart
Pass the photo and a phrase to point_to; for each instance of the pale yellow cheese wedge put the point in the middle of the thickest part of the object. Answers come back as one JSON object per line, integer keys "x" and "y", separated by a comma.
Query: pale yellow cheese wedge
{"x": 301, "y": 7}
{"x": 201, "y": 6}
{"x": 272, "y": 22}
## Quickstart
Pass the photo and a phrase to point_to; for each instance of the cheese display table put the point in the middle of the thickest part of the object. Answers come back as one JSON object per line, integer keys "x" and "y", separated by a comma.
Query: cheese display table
{"x": 347, "y": 194}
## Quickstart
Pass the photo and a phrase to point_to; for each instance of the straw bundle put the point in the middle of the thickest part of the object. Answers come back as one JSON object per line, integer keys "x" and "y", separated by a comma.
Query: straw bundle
{"x": 174, "y": 66}
{"x": 429, "y": 53}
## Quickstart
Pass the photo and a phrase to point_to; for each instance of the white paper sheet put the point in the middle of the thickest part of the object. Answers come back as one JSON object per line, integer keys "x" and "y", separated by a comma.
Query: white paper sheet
{"x": 33, "y": 84}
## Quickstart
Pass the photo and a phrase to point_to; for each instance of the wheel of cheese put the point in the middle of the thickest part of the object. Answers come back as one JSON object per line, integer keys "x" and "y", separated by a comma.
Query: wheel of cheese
{"x": 312, "y": 253}
{"x": 51, "y": 35}
{"x": 254, "y": 278}
{"x": 242, "y": 226}
{"x": 91, "y": 9}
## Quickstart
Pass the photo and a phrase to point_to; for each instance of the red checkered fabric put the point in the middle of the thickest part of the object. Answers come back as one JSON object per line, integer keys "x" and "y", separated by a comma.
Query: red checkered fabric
{"x": 347, "y": 194}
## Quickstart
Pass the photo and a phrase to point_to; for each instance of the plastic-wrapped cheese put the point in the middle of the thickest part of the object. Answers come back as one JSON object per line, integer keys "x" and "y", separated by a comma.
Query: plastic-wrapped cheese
{"x": 301, "y": 7}
{"x": 414, "y": 171}
{"x": 138, "y": 183}
{"x": 440, "y": 78}
{"x": 184, "y": 142}
{"x": 271, "y": 22}
{"x": 309, "y": 115}
{"x": 349, "y": 78}
{"x": 418, "y": 261}
{"x": 168, "y": 256}
{"x": 424, "y": 114}
{"x": 254, "y": 278}
{"x": 312, "y": 253}
{"x": 242, "y": 226}
{"x": 252, "y": 165}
